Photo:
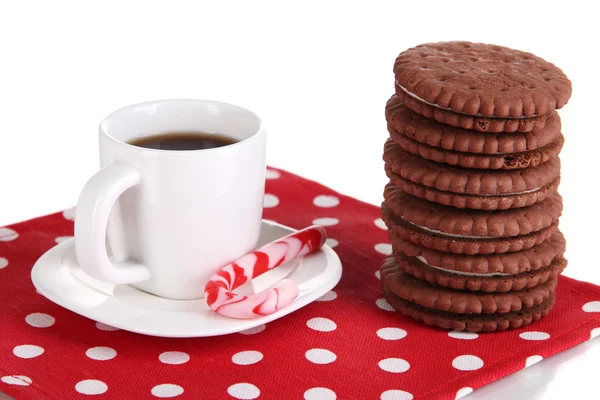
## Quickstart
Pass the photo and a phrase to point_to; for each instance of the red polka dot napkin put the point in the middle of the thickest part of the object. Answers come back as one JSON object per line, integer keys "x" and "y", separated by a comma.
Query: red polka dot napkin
{"x": 348, "y": 345}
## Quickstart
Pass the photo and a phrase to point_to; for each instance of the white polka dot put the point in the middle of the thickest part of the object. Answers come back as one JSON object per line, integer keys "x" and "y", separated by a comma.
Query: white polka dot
{"x": 91, "y": 386}
{"x": 17, "y": 380}
{"x": 321, "y": 324}
{"x": 319, "y": 393}
{"x": 326, "y": 201}
{"x": 331, "y": 295}
{"x": 384, "y": 248}
{"x": 7, "y": 234}
{"x": 69, "y": 214}
{"x": 378, "y": 274}
{"x": 594, "y": 333}
{"x": 384, "y": 305}
{"x": 391, "y": 333}
{"x": 532, "y": 360}
{"x": 272, "y": 174}
{"x": 101, "y": 353}
{"x": 3, "y": 262}
{"x": 326, "y": 221}
{"x": 592, "y": 306}
{"x": 61, "y": 239}
{"x": 380, "y": 224}
{"x": 243, "y": 391}
{"x": 174, "y": 357}
{"x": 320, "y": 356}
{"x": 270, "y": 201}
{"x": 534, "y": 335}
{"x": 254, "y": 331}
{"x": 166, "y": 390}
{"x": 463, "y": 392}
{"x": 247, "y": 357}
{"x": 396, "y": 395}
{"x": 40, "y": 320}
{"x": 395, "y": 365}
{"x": 28, "y": 351}
{"x": 463, "y": 335}
{"x": 104, "y": 327}
{"x": 331, "y": 242}
{"x": 467, "y": 363}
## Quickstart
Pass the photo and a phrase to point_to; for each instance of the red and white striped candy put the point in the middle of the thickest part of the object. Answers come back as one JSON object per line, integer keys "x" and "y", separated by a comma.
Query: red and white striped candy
{"x": 218, "y": 290}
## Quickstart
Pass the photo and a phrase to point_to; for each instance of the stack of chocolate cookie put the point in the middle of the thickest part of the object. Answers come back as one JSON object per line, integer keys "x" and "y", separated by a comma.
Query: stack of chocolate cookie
{"x": 472, "y": 206}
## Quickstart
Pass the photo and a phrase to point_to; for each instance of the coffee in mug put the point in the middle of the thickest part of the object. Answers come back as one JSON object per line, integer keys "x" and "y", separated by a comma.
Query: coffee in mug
{"x": 182, "y": 141}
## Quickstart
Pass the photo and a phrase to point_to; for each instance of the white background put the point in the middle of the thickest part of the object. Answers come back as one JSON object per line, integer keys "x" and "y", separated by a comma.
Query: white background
{"x": 318, "y": 72}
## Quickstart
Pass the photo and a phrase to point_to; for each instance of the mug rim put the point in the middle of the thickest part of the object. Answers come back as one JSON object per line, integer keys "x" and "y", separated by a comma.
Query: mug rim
{"x": 104, "y": 131}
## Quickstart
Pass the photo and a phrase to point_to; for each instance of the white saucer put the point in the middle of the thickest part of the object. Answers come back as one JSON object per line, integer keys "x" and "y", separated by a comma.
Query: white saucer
{"x": 57, "y": 276}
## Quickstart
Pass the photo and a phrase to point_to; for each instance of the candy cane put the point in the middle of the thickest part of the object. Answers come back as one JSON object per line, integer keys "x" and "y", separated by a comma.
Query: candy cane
{"x": 218, "y": 290}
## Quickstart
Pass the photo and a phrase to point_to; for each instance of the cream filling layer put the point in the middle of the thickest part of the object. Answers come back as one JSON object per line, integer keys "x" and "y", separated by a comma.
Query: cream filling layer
{"x": 424, "y": 261}
{"x": 451, "y": 110}
{"x": 479, "y": 194}
{"x": 509, "y": 194}
{"x": 452, "y": 235}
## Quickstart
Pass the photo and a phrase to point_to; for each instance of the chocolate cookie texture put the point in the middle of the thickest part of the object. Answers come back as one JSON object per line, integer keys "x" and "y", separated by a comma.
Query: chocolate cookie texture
{"x": 469, "y": 322}
{"x": 456, "y": 244}
{"x": 478, "y": 123}
{"x": 514, "y": 263}
{"x": 472, "y": 223}
{"x": 470, "y": 149}
{"x": 444, "y": 299}
{"x": 465, "y": 245}
{"x": 467, "y": 181}
{"x": 426, "y": 131}
{"x": 418, "y": 268}
{"x": 478, "y": 79}
{"x": 501, "y": 161}
{"x": 469, "y": 188}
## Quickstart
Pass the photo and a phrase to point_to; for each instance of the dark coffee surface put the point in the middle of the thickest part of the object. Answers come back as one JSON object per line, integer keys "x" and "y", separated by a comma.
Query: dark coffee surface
{"x": 183, "y": 141}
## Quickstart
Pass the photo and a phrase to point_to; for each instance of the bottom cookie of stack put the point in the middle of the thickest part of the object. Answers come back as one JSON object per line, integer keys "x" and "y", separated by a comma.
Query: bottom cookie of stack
{"x": 464, "y": 310}
{"x": 469, "y": 322}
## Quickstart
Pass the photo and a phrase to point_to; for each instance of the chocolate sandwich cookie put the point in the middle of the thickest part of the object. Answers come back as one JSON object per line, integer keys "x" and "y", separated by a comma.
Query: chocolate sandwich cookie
{"x": 487, "y": 161}
{"x": 480, "y": 86}
{"x": 439, "y": 298}
{"x": 533, "y": 259}
{"x": 470, "y": 322}
{"x": 474, "y": 122}
{"x": 434, "y": 141}
{"x": 470, "y": 188}
{"x": 417, "y": 267}
{"x": 463, "y": 245}
{"x": 469, "y": 232}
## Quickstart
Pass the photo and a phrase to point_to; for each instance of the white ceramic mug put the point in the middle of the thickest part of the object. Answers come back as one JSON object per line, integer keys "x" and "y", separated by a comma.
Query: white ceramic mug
{"x": 171, "y": 219}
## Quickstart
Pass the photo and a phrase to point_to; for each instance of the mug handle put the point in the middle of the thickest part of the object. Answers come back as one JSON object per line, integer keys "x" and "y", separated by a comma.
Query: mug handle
{"x": 91, "y": 219}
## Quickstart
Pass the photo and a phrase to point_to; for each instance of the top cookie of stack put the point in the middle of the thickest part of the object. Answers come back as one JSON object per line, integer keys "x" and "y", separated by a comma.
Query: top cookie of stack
{"x": 475, "y": 125}
{"x": 478, "y": 86}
